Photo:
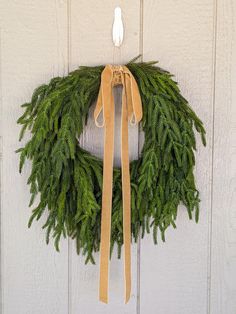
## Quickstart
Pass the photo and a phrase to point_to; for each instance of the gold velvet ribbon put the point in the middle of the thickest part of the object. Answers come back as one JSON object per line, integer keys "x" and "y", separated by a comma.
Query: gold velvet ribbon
{"x": 131, "y": 111}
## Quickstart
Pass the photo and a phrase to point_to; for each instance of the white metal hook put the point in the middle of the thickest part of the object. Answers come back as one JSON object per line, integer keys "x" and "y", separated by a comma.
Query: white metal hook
{"x": 118, "y": 28}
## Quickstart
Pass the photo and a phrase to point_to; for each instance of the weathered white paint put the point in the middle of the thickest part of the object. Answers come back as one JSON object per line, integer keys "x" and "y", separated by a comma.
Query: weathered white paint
{"x": 223, "y": 253}
{"x": 87, "y": 50}
{"x": 182, "y": 40}
{"x": 194, "y": 272}
{"x": 33, "y": 48}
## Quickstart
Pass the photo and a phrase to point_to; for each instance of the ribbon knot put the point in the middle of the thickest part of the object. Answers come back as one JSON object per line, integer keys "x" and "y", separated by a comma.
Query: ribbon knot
{"x": 131, "y": 111}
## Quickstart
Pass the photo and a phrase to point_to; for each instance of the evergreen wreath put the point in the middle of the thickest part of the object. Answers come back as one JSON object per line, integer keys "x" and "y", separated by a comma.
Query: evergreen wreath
{"x": 69, "y": 178}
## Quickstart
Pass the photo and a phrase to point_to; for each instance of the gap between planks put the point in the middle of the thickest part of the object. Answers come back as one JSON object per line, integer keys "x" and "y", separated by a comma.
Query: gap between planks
{"x": 209, "y": 244}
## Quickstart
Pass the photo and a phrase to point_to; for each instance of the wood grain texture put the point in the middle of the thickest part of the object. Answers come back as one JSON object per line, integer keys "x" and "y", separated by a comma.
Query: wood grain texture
{"x": 174, "y": 275}
{"x": 91, "y": 44}
{"x": 223, "y": 258}
{"x": 34, "y": 276}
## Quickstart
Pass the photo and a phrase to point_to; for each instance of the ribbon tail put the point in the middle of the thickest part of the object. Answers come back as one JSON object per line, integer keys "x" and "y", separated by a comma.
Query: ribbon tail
{"x": 126, "y": 193}
{"x": 108, "y": 100}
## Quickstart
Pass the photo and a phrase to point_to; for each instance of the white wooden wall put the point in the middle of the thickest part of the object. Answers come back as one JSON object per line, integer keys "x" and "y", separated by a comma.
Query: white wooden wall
{"x": 195, "y": 270}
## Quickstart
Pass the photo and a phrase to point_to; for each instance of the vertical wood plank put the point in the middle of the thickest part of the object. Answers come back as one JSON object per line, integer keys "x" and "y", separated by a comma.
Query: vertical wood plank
{"x": 1, "y": 305}
{"x": 34, "y": 40}
{"x": 223, "y": 259}
{"x": 174, "y": 275}
{"x": 91, "y": 44}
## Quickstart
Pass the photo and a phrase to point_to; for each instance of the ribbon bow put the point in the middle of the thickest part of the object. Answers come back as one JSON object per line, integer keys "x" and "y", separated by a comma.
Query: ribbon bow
{"x": 131, "y": 111}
